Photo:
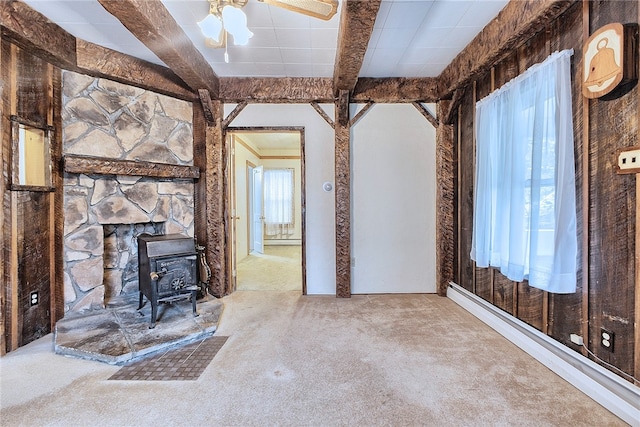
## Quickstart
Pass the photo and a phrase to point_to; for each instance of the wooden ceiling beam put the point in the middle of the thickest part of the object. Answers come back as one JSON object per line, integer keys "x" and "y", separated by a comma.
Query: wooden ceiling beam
{"x": 151, "y": 23}
{"x": 356, "y": 25}
{"x": 390, "y": 90}
{"x": 98, "y": 61}
{"x": 33, "y": 31}
{"x": 289, "y": 90}
{"x": 517, "y": 22}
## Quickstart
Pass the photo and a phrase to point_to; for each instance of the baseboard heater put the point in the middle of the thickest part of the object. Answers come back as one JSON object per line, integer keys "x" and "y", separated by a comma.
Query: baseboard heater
{"x": 614, "y": 393}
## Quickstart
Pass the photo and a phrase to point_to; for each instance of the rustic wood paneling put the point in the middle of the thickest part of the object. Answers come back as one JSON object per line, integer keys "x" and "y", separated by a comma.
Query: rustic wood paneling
{"x": 58, "y": 199}
{"x": 566, "y": 315}
{"x": 154, "y": 26}
{"x": 356, "y": 25}
{"x": 287, "y": 90}
{"x": 94, "y": 165}
{"x": 5, "y": 205}
{"x": 503, "y": 292}
{"x": 389, "y": 90}
{"x": 343, "y": 197}
{"x": 518, "y": 21}
{"x": 466, "y": 173}
{"x": 612, "y": 217}
{"x": 33, "y": 237}
{"x": 445, "y": 202}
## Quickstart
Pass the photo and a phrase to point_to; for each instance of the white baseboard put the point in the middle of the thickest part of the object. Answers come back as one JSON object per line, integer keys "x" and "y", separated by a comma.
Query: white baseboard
{"x": 614, "y": 393}
{"x": 282, "y": 242}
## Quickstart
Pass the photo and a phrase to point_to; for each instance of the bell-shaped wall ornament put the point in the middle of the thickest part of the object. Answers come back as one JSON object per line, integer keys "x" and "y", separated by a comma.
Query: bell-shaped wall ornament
{"x": 610, "y": 59}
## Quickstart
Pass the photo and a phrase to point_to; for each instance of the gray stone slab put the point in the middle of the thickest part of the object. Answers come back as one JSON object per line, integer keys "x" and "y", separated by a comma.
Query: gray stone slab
{"x": 120, "y": 333}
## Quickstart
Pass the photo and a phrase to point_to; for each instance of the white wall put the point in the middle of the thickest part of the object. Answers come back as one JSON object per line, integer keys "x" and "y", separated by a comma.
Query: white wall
{"x": 241, "y": 157}
{"x": 319, "y": 168}
{"x": 393, "y": 201}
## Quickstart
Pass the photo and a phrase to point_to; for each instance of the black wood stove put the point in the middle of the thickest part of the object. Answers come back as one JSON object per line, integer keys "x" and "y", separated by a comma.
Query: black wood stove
{"x": 167, "y": 270}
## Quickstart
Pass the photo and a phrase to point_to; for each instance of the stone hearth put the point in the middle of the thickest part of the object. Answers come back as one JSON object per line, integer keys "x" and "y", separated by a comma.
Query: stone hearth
{"x": 108, "y": 120}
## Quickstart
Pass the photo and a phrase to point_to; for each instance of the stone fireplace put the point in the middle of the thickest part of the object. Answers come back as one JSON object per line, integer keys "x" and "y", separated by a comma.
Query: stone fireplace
{"x": 104, "y": 213}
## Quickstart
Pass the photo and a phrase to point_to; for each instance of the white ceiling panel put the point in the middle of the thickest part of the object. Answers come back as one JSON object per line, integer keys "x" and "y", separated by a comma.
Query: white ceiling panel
{"x": 411, "y": 38}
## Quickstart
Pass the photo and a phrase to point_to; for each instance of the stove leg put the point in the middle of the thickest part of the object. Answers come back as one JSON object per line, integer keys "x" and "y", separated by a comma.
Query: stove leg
{"x": 194, "y": 295}
{"x": 154, "y": 313}
{"x": 140, "y": 303}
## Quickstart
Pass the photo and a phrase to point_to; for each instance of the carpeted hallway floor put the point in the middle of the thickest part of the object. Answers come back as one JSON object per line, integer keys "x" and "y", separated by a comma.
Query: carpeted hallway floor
{"x": 399, "y": 360}
{"x": 279, "y": 268}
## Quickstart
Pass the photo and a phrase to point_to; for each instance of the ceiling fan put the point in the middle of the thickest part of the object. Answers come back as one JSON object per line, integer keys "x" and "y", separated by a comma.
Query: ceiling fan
{"x": 322, "y": 9}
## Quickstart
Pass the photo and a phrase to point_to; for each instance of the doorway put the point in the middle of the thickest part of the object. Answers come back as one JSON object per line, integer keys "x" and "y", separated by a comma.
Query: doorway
{"x": 266, "y": 200}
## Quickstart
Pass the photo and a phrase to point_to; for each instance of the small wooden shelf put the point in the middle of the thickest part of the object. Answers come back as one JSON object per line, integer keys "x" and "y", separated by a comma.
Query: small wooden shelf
{"x": 102, "y": 166}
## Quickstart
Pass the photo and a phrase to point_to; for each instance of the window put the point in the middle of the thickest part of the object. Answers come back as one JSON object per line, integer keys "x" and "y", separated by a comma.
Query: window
{"x": 524, "y": 208}
{"x": 278, "y": 201}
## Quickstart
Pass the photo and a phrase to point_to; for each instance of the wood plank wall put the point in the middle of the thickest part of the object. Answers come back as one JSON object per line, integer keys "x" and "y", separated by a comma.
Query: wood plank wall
{"x": 609, "y": 238}
{"x": 32, "y": 232}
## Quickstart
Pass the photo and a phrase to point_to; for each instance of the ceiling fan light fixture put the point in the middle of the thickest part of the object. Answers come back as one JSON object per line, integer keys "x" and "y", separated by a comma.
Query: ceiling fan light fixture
{"x": 322, "y": 9}
{"x": 235, "y": 23}
{"x": 211, "y": 27}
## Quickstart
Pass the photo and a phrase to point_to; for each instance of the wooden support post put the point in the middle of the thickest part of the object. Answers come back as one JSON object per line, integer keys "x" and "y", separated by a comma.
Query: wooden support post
{"x": 343, "y": 196}
{"x": 209, "y": 157}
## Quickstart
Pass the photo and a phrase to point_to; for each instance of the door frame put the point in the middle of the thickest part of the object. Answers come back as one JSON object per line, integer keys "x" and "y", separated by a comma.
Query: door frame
{"x": 231, "y": 285}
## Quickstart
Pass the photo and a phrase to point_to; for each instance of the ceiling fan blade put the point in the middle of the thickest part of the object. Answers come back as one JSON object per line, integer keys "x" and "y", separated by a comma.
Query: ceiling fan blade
{"x": 323, "y": 9}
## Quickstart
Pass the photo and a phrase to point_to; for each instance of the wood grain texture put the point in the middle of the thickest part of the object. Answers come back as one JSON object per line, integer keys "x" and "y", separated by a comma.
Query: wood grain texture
{"x": 613, "y": 125}
{"x": 95, "y": 165}
{"x": 154, "y": 26}
{"x": 343, "y": 197}
{"x": 445, "y": 203}
{"x": 518, "y": 21}
{"x": 426, "y": 114}
{"x": 207, "y": 108}
{"x": 357, "y": 18}
{"x": 98, "y": 61}
{"x": 5, "y": 197}
{"x": 34, "y": 265}
{"x": 57, "y": 309}
{"x": 289, "y": 90}
{"x": 390, "y": 90}
{"x": 35, "y": 32}
{"x": 233, "y": 114}
{"x": 323, "y": 114}
{"x": 465, "y": 191}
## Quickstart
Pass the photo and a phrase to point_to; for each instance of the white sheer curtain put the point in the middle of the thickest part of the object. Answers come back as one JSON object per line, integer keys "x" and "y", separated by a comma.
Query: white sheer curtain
{"x": 525, "y": 214}
{"x": 278, "y": 202}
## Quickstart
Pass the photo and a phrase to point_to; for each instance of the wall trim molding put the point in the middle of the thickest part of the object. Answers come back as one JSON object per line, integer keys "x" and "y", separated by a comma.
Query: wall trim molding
{"x": 608, "y": 389}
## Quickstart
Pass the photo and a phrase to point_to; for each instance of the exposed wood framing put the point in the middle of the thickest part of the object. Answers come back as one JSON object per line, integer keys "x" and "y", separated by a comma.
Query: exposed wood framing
{"x": 154, "y": 26}
{"x": 343, "y": 197}
{"x": 323, "y": 114}
{"x": 94, "y": 165}
{"x": 518, "y": 21}
{"x": 356, "y": 25}
{"x": 236, "y": 111}
{"x": 207, "y": 107}
{"x": 270, "y": 89}
{"x": 33, "y": 31}
{"x": 389, "y": 90}
{"x": 452, "y": 111}
{"x": 445, "y": 203}
{"x": 98, "y": 61}
{"x": 360, "y": 114}
{"x": 427, "y": 114}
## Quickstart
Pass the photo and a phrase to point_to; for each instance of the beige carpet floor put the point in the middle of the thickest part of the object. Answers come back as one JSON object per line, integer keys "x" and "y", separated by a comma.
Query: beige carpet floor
{"x": 279, "y": 268}
{"x": 293, "y": 360}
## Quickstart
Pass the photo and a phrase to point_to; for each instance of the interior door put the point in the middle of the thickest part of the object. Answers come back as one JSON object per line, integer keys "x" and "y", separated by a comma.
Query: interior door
{"x": 257, "y": 216}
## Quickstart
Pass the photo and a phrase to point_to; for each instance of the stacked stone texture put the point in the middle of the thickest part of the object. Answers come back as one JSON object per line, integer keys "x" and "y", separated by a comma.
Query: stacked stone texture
{"x": 110, "y": 120}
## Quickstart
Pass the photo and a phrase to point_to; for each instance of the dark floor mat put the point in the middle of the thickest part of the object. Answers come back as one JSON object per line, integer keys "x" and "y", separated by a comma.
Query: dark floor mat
{"x": 181, "y": 364}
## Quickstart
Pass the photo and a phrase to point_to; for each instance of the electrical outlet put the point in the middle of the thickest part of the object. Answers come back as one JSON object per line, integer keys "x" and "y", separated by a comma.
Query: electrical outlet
{"x": 606, "y": 339}
{"x": 34, "y": 298}
{"x": 629, "y": 159}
